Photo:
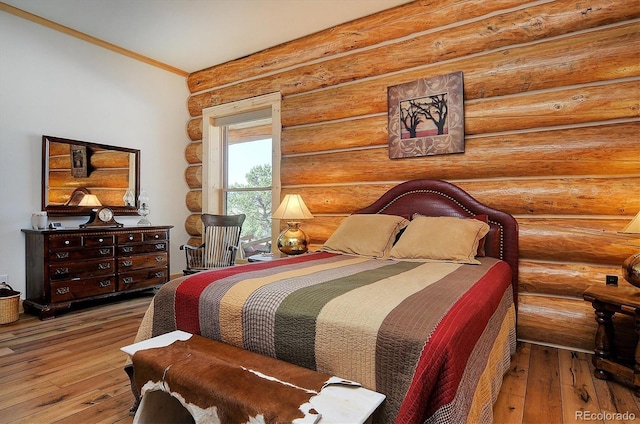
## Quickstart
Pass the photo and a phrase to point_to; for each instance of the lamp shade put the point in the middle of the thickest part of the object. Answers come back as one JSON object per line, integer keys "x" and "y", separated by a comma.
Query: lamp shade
{"x": 292, "y": 208}
{"x": 90, "y": 200}
{"x": 634, "y": 226}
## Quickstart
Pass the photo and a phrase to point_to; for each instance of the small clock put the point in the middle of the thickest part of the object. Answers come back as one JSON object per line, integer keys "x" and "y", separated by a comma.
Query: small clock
{"x": 101, "y": 217}
{"x": 105, "y": 215}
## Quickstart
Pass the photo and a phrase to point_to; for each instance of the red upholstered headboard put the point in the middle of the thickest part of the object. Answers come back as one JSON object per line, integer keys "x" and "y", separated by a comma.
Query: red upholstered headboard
{"x": 440, "y": 198}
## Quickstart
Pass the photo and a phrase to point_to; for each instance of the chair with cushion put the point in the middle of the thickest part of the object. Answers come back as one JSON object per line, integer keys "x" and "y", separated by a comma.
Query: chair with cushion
{"x": 221, "y": 240}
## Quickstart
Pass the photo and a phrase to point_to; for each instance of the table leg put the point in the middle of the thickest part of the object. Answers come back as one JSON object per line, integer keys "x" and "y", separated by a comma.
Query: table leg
{"x": 604, "y": 338}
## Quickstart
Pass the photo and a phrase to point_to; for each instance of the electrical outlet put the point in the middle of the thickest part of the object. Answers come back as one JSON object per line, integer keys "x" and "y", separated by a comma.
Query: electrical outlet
{"x": 4, "y": 278}
{"x": 612, "y": 280}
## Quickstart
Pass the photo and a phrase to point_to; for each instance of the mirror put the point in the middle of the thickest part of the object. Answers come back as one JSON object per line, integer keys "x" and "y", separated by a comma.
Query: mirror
{"x": 71, "y": 169}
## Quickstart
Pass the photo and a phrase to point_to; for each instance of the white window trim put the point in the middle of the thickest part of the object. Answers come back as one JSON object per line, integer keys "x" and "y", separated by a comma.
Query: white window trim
{"x": 212, "y": 152}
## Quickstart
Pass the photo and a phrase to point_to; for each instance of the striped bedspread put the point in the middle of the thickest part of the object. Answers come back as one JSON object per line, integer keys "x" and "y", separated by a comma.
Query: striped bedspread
{"x": 435, "y": 338}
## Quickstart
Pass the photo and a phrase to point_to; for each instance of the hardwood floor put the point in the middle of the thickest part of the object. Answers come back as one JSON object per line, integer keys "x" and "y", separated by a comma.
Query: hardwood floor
{"x": 70, "y": 370}
{"x": 548, "y": 385}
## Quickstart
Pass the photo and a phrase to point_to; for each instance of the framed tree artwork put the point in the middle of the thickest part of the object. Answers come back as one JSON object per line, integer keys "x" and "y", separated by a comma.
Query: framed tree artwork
{"x": 426, "y": 117}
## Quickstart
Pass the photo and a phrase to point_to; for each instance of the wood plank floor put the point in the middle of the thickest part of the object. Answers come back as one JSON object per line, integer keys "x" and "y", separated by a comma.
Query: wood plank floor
{"x": 70, "y": 370}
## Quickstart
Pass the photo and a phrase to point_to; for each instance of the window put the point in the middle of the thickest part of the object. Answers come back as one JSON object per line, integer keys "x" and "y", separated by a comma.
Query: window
{"x": 241, "y": 166}
{"x": 247, "y": 180}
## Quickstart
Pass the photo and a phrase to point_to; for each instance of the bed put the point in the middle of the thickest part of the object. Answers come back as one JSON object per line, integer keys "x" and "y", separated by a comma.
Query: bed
{"x": 390, "y": 302}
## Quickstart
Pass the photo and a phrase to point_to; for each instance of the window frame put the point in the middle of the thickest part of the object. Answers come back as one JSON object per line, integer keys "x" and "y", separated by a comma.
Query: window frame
{"x": 213, "y": 154}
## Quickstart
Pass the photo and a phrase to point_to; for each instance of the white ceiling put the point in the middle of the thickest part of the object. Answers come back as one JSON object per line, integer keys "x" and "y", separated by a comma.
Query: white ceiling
{"x": 195, "y": 34}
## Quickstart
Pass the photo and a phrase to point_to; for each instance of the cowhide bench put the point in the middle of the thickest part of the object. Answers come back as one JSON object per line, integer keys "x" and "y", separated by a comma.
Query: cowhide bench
{"x": 188, "y": 378}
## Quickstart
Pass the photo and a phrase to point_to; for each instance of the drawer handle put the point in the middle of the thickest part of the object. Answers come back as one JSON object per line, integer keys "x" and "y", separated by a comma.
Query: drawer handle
{"x": 127, "y": 280}
{"x": 63, "y": 290}
{"x": 104, "y": 266}
{"x": 105, "y": 251}
{"x": 130, "y": 237}
{"x": 62, "y": 255}
{"x": 61, "y": 271}
{"x": 127, "y": 263}
{"x": 105, "y": 283}
{"x": 100, "y": 240}
{"x": 157, "y": 236}
{"x": 67, "y": 242}
{"x": 160, "y": 246}
{"x": 159, "y": 258}
{"x": 159, "y": 274}
{"x": 127, "y": 249}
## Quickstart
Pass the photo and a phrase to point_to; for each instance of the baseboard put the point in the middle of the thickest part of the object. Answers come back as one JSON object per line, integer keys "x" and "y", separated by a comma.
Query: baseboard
{"x": 556, "y": 346}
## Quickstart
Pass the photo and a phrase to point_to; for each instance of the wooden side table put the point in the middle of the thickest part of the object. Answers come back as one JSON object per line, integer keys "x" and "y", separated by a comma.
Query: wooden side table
{"x": 265, "y": 257}
{"x": 607, "y": 301}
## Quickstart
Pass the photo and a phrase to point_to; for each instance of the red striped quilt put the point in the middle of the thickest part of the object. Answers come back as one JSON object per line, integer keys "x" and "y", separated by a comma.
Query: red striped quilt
{"x": 423, "y": 334}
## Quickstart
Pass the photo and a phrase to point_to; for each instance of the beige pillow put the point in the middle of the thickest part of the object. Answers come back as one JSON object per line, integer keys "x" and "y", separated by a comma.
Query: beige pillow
{"x": 369, "y": 235}
{"x": 440, "y": 239}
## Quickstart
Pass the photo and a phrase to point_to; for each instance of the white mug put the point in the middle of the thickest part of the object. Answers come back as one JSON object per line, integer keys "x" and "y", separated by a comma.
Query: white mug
{"x": 39, "y": 220}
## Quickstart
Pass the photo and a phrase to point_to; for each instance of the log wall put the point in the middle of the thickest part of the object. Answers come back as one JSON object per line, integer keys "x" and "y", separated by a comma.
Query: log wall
{"x": 552, "y": 124}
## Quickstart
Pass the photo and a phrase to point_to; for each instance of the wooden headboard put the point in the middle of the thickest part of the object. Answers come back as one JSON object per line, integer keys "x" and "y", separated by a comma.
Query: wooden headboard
{"x": 440, "y": 198}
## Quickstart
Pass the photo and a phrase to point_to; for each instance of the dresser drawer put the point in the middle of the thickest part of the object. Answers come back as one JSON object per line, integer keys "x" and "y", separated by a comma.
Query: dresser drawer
{"x": 128, "y": 263}
{"x": 129, "y": 238}
{"x": 93, "y": 268}
{"x": 139, "y": 279}
{"x": 65, "y": 241}
{"x": 81, "y": 254}
{"x": 135, "y": 249}
{"x": 154, "y": 235}
{"x": 93, "y": 241}
{"x": 64, "y": 291}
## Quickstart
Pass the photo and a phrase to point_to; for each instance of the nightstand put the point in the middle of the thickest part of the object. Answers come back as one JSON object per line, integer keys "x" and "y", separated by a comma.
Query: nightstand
{"x": 608, "y": 300}
{"x": 265, "y": 257}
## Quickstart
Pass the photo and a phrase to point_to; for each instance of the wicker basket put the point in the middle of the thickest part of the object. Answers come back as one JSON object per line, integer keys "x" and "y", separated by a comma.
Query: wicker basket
{"x": 9, "y": 304}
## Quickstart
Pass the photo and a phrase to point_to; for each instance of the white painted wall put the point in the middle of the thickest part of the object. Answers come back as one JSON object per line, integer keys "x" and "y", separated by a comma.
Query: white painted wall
{"x": 54, "y": 84}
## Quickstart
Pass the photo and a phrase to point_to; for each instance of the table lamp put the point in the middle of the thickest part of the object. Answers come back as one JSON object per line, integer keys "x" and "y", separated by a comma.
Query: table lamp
{"x": 292, "y": 241}
{"x": 631, "y": 266}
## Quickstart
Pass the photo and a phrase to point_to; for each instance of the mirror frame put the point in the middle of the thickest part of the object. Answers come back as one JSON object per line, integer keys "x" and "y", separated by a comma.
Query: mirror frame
{"x": 65, "y": 210}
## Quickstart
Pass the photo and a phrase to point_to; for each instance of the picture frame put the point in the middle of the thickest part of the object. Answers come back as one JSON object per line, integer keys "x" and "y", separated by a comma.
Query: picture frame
{"x": 78, "y": 161}
{"x": 426, "y": 117}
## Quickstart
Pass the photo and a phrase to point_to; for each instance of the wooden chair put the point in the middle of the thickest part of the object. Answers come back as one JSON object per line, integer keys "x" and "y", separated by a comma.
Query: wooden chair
{"x": 221, "y": 240}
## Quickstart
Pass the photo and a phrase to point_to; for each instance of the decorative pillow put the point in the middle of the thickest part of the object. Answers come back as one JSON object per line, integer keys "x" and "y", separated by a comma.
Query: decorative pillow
{"x": 441, "y": 239}
{"x": 484, "y": 218}
{"x": 370, "y": 235}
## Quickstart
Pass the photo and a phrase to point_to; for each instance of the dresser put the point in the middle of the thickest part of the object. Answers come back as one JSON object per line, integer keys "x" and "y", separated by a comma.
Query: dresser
{"x": 72, "y": 266}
